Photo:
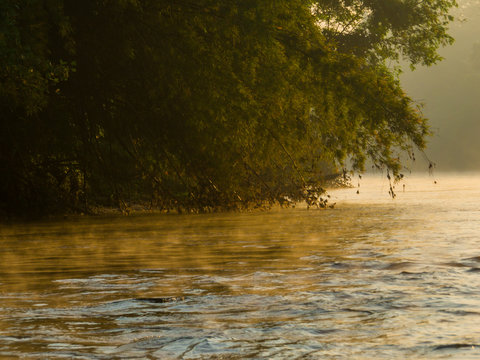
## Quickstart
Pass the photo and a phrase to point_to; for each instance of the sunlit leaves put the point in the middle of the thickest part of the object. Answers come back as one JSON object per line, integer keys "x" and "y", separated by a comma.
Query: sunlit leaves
{"x": 388, "y": 29}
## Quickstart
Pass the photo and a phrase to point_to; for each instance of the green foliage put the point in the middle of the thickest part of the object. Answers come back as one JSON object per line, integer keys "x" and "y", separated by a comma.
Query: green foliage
{"x": 387, "y": 29}
{"x": 34, "y": 147}
{"x": 205, "y": 105}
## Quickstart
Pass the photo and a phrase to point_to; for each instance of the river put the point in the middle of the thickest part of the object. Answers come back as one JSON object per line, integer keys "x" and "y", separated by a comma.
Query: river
{"x": 373, "y": 277}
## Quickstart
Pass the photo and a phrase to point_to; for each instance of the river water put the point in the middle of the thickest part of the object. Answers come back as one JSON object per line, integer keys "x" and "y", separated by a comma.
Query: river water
{"x": 374, "y": 277}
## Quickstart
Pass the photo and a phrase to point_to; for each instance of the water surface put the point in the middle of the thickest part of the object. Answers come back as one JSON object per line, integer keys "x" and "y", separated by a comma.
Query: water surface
{"x": 372, "y": 277}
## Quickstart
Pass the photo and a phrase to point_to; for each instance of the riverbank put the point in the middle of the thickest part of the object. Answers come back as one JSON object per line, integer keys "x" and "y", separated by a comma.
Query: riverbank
{"x": 311, "y": 199}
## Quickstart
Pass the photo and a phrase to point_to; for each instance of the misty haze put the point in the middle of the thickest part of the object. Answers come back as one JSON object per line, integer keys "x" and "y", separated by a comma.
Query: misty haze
{"x": 450, "y": 92}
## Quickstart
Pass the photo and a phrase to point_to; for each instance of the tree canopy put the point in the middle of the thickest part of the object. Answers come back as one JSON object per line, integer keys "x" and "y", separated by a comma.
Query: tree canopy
{"x": 201, "y": 105}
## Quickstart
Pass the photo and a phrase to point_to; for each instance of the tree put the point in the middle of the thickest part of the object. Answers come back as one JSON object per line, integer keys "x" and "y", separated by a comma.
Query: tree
{"x": 33, "y": 147}
{"x": 380, "y": 30}
{"x": 212, "y": 104}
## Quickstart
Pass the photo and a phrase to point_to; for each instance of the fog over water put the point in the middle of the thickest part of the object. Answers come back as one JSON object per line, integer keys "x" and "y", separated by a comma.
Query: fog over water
{"x": 450, "y": 92}
{"x": 373, "y": 278}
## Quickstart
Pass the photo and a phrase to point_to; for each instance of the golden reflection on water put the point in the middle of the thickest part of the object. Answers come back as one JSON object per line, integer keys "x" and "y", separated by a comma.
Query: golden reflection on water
{"x": 345, "y": 280}
{"x": 34, "y": 255}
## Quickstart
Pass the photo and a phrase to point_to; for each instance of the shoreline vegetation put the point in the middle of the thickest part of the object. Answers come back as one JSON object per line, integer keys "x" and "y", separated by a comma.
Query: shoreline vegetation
{"x": 318, "y": 201}
{"x": 216, "y": 104}
{"x": 146, "y": 208}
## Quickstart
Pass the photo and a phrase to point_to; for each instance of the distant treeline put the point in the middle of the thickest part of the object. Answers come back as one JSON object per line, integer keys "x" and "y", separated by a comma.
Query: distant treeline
{"x": 206, "y": 104}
